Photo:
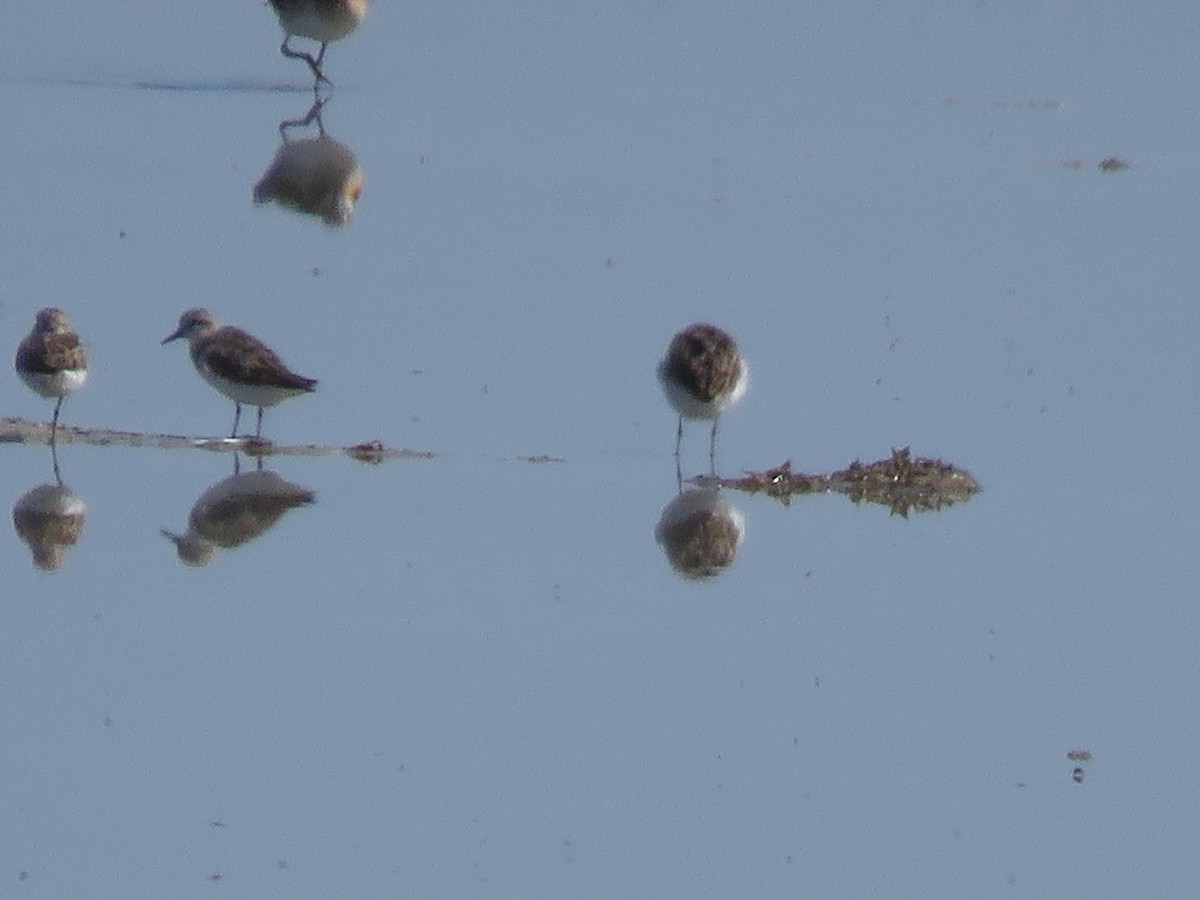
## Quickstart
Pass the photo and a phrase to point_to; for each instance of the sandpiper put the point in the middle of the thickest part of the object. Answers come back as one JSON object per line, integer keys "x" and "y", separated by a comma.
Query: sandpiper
{"x": 238, "y": 364}
{"x": 703, "y": 376}
{"x": 320, "y": 20}
{"x": 51, "y": 359}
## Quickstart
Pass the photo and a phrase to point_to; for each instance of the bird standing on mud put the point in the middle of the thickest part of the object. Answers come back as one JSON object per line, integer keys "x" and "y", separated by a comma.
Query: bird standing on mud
{"x": 238, "y": 365}
{"x": 51, "y": 360}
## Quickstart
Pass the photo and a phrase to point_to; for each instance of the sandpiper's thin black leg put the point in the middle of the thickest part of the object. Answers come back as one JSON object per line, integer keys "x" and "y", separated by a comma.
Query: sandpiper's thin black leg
{"x": 712, "y": 449}
{"x": 320, "y": 74}
{"x": 237, "y": 417}
{"x": 289, "y": 52}
{"x": 54, "y": 422}
{"x": 258, "y": 430}
{"x": 678, "y": 438}
{"x": 314, "y": 64}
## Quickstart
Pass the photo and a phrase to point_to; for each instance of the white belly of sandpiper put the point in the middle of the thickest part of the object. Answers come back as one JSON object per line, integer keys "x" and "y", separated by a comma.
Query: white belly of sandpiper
{"x": 57, "y": 384}
{"x": 250, "y": 394}
{"x": 690, "y": 406}
{"x": 307, "y": 23}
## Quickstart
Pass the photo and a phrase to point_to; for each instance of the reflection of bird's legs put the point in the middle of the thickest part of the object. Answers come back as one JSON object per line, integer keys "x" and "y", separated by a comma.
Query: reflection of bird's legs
{"x": 237, "y": 417}
{"x": 54, "y": 460}
{"x": 712, "y": 449}
{"x": 313, "y": 115}
{"x": 314, "y": 64}
{"x": 678, "y": 462}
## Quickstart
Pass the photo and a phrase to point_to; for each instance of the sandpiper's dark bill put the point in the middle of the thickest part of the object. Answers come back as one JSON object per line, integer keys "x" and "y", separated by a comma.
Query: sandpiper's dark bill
{"x": 703, "y": 376}
{"x": 51, "y": 361}
{"x": 238, "y": 364}
{"x": 322, "y": 21}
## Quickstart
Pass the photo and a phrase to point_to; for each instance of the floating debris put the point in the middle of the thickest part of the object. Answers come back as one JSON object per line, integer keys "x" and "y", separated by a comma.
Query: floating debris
{"x": 1050, "y": 105}
{"x": 367, "y": 451}
{"x": 780, "y": 482}
{"x": 1079, "y": 755}
{"x": 1108, "y": 165}
{"x": 905, "y": 483}
{"x": 901, "y": 482}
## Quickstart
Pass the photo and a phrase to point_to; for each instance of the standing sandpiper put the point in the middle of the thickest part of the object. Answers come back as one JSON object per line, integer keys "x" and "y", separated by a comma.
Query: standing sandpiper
{"x": 238, "y": 364}
{"x": 320, "y": 20}
{"x": 703, "y": 376}
{"x": 51, "y": 360}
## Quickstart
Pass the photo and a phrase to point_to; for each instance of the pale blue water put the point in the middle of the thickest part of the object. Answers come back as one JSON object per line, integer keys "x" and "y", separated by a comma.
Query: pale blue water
{"x": 476, "y": 675}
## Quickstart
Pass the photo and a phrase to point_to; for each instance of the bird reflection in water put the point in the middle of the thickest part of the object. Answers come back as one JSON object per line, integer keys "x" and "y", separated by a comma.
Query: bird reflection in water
{"x": 700, "y": 532}
{"x": 235, "y": 511}
{"x": 49, "y": 519}
{"x": 317, "y": 176}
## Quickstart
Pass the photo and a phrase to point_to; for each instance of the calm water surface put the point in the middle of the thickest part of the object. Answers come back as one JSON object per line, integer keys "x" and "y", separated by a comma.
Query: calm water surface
{"x": 477, "y": 674}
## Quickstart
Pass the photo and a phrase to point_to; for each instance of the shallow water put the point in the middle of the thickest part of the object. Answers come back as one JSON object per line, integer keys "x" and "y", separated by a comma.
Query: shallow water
{"x": 476, "y": 673}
